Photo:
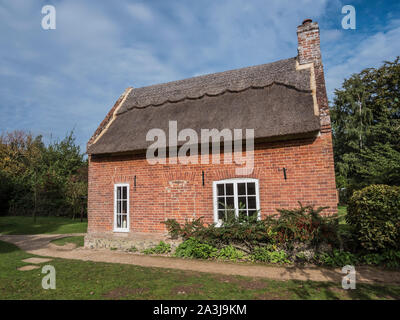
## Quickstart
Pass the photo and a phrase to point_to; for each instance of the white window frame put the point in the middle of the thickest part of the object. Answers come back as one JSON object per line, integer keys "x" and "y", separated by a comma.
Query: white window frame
{"x": 115, "y": 208}
{"x": 235, "y": 182}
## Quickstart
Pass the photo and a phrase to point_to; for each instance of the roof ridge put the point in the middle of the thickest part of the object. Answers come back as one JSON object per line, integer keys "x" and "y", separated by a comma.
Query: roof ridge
{"x": 281, "y": 72}
{"x": 213, "y": 95}
{"x": 217, "y": 73}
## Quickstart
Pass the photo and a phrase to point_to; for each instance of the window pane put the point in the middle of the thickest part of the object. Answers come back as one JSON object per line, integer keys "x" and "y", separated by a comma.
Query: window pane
{"x": 252, "y": 202}
{"x": 221, "y": 215}
{"x": 241, "y": 189}
{"x": 118, "y": 206}
{"x": 124, "y": 206}
{"x": 242, "y": 203}
{"x": 230, "y": 202}
{"x": 252, "y": 213}
{"x": 124, "y": 192}
{"x": 229, "y": 189}
{"x": 118, "y": 192}
{"x": 118, "y": 221}
{"x": 221, "y": 202}
{"x": 124, "y": 221}
{"x": 220, "y": 189}
{"x": 251, "y": 188}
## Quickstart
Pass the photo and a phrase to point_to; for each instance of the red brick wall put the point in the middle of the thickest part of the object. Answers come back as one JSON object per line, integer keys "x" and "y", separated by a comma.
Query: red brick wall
{"x": 176, "y": 191}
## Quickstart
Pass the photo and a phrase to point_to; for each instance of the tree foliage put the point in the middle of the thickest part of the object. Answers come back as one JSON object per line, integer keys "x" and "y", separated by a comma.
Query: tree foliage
{"x": 366, "y": 128}
{"x": 37, "y": 178}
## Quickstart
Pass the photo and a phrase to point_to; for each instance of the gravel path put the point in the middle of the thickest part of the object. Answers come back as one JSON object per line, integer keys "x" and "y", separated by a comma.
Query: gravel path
{"x": 40, "y": 245}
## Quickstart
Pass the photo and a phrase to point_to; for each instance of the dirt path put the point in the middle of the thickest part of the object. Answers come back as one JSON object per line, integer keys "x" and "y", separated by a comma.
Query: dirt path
{"x": 40, "y": 245}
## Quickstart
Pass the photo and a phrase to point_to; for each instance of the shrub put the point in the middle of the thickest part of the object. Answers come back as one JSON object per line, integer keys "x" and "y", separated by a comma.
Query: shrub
{"x": 230, "y": 253}
{"x": 193, "y": 248}
{"x": 348, "y": 239}
{"x": 267, "y": 254}
{"x": 305, "y": 224}
{"x": 389, "y": 258}
{"x": 374, "y": 212}
{"x": 161, "y": 248}
{"x": 337, "y": 258}
{"x": 189, "y": 228}
{"x": 246, "y": 232}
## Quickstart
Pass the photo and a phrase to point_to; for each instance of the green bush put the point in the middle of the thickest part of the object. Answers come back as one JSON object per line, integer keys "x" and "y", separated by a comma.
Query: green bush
{"x": 193, "y": 248}
{"x": 374, "y": 212}
{"x": 305, "y": 224}
{"x": 230, "y": 253}
{"x": 388, "y": 258}
{"x": 348, "y": 239}
{"x": 337, "y": 258}
{"x": 187, "y": 230}
{"x": 245, "y": 232}
{"x": 161, "y": 248}
{"x": 265, "y": 254}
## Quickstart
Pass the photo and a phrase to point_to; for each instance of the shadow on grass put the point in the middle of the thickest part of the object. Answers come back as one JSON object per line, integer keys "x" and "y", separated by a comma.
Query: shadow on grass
{"x": 325, "y": 290}
{"x": 6, "y": 247}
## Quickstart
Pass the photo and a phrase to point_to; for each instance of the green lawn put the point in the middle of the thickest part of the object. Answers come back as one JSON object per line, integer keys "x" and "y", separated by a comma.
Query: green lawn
{"x": 78, "y": 240}
{"x": 342, "y": 211}
{"x": 53, "y": 225}
{"x": 91, "y": 280}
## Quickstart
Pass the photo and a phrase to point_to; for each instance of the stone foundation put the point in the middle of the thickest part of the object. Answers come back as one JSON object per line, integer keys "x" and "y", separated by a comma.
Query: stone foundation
{"x": 127, "y": 241}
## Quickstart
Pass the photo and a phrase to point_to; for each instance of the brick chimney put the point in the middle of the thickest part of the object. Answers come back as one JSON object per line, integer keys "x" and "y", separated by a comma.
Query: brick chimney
{"x": 309, "y": 52}
{"x": 308, "y": 42}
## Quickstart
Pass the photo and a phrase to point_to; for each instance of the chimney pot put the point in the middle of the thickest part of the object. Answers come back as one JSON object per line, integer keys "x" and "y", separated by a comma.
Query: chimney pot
{"x": 306, "y": 21}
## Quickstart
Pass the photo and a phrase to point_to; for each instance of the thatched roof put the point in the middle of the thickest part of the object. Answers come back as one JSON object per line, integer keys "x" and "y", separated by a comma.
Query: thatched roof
{"x": 274, "y": 99}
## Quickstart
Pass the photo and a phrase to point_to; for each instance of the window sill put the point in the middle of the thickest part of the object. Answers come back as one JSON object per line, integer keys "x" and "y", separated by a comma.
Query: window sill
{"x": 121, "y": 230}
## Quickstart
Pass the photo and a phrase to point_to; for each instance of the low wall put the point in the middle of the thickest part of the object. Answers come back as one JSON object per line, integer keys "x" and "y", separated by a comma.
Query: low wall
{"x": 126, "y": 242}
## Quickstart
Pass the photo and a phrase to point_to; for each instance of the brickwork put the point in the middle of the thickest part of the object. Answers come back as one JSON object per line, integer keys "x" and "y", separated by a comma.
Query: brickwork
{"x": 176, "y": 191}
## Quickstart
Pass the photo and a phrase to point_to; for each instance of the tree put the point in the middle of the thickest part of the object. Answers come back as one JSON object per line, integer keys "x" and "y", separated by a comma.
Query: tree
{"x": 76, "y": 191}
{"x": 36, "y": 178}
{"x": 366, "y": 127}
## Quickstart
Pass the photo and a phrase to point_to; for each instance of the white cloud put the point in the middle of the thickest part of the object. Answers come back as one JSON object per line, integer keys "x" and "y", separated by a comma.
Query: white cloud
{"x": 140, "y": 12}
{"x": 331, "y": 35}
{"x": 370, "y": 52}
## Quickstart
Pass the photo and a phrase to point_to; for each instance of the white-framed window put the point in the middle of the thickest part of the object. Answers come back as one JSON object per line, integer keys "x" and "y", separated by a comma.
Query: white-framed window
{"x": 239, "y": 197}
{"x": 121, "y": 207}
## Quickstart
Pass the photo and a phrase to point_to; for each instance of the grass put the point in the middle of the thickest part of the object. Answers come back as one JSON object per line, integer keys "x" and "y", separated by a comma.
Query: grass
{"x": 52, "y": 225}
{"x": 78, "y": 240}
{"x": 93, "y": 280}
{"x": 342, "y": 211}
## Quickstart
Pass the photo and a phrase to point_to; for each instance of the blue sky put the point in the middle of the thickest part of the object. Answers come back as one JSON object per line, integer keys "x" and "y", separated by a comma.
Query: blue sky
{"x": 52, "y": 81}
